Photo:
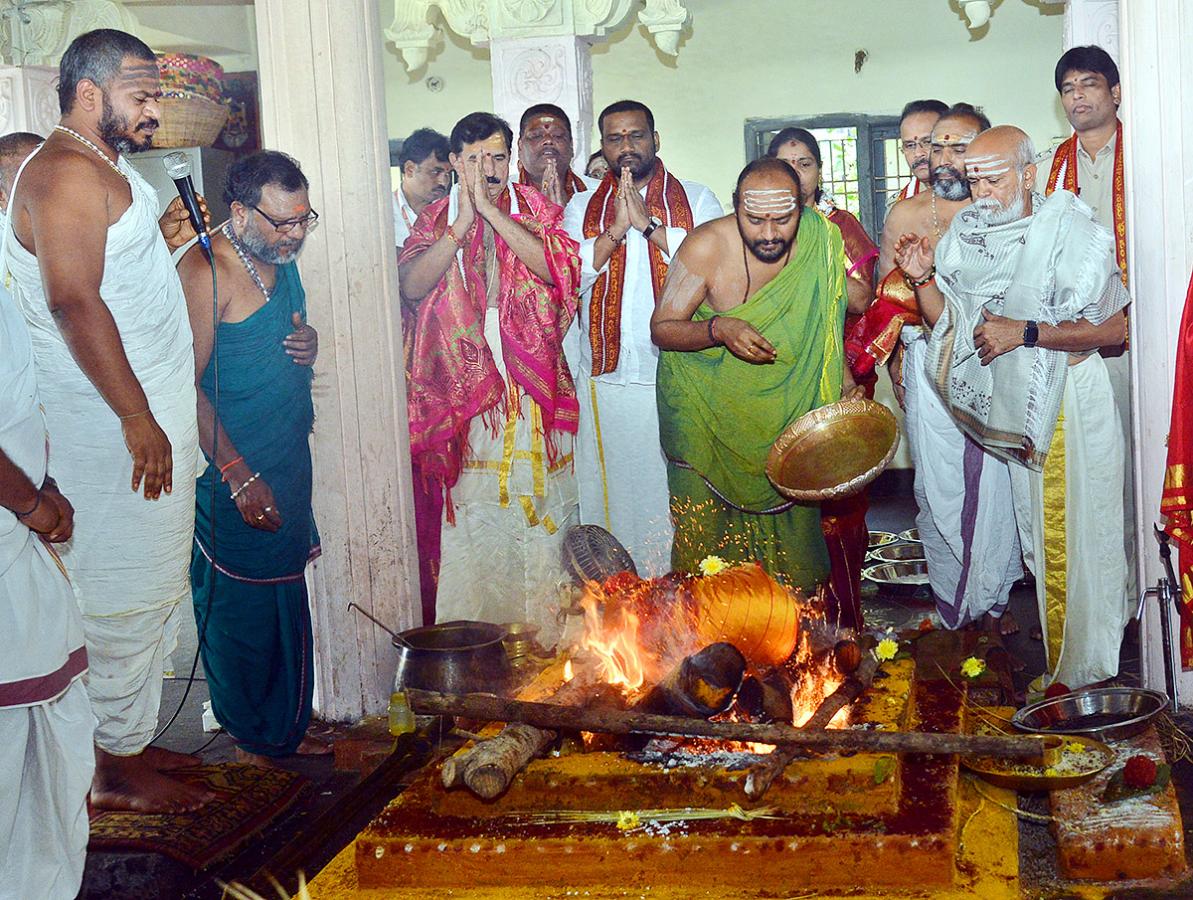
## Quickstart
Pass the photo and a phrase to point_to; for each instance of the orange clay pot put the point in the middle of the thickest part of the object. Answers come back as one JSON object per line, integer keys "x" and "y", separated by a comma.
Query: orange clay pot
{"x": 747, "y": 608}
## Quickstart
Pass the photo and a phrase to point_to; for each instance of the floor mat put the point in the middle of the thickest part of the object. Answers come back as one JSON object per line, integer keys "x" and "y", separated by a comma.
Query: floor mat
{"x": 247, "y": 799}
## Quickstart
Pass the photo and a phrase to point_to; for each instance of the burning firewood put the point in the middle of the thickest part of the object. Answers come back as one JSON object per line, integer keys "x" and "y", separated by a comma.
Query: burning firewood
{"x": 615, "y": 721}
{"x": 772, "y": 765}
{"x": 703, "y": 685}
{"x": 767, "y": 698}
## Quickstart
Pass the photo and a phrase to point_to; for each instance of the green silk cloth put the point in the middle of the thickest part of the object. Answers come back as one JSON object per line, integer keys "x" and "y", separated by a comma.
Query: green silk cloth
{"x": 719, "y": 416}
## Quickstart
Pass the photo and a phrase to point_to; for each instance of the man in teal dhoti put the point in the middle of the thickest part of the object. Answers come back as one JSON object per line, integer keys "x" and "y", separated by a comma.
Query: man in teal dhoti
{"x": 751, "y": 318}
{"x": 248, "y": 584}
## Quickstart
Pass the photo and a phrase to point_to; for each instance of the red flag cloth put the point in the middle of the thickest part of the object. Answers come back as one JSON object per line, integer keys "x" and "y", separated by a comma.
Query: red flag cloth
{"x": 1176, "y": 503}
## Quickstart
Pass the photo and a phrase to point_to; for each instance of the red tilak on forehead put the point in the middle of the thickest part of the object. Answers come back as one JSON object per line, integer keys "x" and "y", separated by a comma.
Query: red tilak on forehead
{"x": 955, "y": 138}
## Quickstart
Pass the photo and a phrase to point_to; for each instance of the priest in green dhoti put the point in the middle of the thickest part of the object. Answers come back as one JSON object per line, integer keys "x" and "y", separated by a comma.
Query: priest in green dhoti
{"x": 247, "y": 569}
{"x": 750, "y": 324}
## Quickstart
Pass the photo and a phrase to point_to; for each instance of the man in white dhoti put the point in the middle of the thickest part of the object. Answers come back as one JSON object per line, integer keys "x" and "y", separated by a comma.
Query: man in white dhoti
{"x": 112, "y": 347}
{"x": 14, "y": 149}
{"x": 1023, "y": 291}
{"x": 962, "y": 493}
{"x": 629, "y": 229}
{"x": 491, "y": 403}
{"x": 46, "y": 756}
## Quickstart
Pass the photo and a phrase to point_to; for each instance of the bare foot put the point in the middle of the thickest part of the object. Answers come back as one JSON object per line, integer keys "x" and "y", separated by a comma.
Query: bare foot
{"x": 255, "y": 759}
{"x": 132, "y": 784}
{"x": 1005, "y": 624}
{"x": 167, "y": 760}
{"x": 313, "y": 746}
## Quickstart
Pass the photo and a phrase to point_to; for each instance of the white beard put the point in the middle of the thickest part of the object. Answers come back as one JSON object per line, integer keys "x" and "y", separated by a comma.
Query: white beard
{"x": 991, "y": 212}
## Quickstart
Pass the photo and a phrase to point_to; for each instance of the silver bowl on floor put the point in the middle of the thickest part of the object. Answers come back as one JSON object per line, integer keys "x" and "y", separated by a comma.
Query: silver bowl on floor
{"x": 1105, "y": 714}
{"x": 907, "y": 573}
{"x": 898, "y": 553}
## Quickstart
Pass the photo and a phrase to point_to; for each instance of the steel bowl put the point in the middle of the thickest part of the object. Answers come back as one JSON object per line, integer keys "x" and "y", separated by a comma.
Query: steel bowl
{"x": 898, "y": 553}
{"x": 911, "y": 534}
{"x": 1105, "y": 714}
{"x": 881, "y": 539}
{"x": 908, "y": 573}
{"x": 833, "y": 451}
{"x": 453, "y": 657}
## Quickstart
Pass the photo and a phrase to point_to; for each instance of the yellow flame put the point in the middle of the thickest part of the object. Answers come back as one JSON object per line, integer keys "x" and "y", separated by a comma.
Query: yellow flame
{"x": 568, "y": 674}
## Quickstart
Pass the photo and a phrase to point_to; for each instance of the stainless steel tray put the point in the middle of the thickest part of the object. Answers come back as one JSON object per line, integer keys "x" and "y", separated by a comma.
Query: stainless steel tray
{"x": 882, "y": 538}
{"x": 1105, "y": 714}
{"x": 911, "y": 534}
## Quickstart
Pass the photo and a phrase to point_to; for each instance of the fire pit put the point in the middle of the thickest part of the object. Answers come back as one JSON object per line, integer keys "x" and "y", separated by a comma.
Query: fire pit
{"x": 680, "y": 813}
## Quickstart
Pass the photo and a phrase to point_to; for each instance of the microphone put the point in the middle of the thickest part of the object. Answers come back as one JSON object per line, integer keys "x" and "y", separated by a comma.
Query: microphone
{"x": 178, "y": 167}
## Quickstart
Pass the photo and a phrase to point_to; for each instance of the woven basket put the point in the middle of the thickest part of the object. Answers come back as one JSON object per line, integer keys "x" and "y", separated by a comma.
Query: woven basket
{"x": 189, "y": 122}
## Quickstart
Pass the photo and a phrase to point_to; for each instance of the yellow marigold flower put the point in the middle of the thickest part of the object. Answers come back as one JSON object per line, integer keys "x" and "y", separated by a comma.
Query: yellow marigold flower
{"x": 627, "y": 820}
{"x": 973, "y": 667}
{"x": 886, "y": 649}
{"x": 1075, "y": 747}
{"x": 712, "y": 565}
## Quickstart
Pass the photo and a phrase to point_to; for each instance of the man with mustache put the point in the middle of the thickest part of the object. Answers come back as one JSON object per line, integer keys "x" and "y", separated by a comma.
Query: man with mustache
{"x": 248, "y": 589}
{"x": 965, "y": 519}
{"x": 545, "y": 154}
{"x": 91, "y": 271}
{"x": 628, "y": 229}
{"x": 915, "y": 140}
{"x": 1090, "y": 164}
{"x": 1021, "y": 293}
{"x": 426, "y": 177}
{"x": 493, "y": 277}
{"x": 750, "y": 326}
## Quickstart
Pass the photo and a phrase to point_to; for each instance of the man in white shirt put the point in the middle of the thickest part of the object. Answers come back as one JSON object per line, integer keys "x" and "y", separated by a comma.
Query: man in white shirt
{"x": 629, "y": 228}
{"x": 426, "y": 177}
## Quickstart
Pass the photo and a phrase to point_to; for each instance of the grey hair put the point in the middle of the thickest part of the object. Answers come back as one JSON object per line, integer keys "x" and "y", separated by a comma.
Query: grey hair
{"x": 1025, "y": 153}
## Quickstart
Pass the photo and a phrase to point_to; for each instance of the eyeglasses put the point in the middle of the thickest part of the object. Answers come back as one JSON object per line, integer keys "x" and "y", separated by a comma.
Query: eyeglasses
{"x": 922, "y": 144}
{"x": 308, "y": 222}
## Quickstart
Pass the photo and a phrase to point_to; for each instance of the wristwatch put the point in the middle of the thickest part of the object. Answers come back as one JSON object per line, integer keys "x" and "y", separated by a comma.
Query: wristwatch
{"x": 655, "y": 222}
{"x": 1031, "y": 333}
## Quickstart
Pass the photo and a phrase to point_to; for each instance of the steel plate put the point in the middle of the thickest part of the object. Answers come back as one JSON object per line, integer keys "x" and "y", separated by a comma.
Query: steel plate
{"x": 833, "y": 451}
{"x": 911, "y": 534}
{"x": 1106, "y": 714}
{"x": 1057, "y": 774}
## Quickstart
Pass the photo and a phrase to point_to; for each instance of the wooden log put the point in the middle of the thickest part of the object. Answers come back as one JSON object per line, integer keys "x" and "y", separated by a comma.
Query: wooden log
{"x": 488, "y": 767}
{"x": 772, "y": 766}
{"x": 611, "y": 721}
{"x": 703, "y": 685}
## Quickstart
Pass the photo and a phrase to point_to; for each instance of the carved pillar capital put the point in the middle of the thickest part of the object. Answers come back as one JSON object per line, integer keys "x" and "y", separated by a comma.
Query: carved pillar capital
{"x": 39, "y": 34}
{"x": 28, "y": 99}
{"x": 1092, "y": 22}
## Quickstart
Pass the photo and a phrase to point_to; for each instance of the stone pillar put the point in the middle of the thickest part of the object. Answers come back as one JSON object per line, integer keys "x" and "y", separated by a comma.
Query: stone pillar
{"x": 555, "y": 70}
{"x": 1155, "y": 54}
{"x": 1092, "y": 22}
{"x": 322, "y": 101}
{"x": 28, "y": 99}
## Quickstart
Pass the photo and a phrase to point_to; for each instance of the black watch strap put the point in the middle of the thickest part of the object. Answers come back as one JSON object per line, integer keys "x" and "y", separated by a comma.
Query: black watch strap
{"x": 650, "y": 229}
{"x": 1031, "y": 333}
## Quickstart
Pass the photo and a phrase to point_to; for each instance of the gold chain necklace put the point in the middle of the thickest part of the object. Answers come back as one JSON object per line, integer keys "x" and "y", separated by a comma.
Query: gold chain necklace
{"x": 935, "y": 218}
{"x": 86, "y": 143}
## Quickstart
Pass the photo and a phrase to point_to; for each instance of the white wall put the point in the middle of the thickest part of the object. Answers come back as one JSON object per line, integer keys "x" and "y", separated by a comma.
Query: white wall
{"x": 744, "y": 59}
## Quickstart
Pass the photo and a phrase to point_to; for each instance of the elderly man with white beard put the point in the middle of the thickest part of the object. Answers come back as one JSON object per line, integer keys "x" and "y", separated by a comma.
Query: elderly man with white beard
{"x": 1022, "y": 291}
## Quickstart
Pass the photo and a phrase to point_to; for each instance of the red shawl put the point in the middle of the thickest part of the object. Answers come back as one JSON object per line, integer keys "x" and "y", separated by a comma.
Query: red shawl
{"x": 1064, "y": 175}
{"x": 1176, "y": 503}
{"x": 666, "y": 199}
{"x": 451, "y": 376}
{"x": 876, "y": 333}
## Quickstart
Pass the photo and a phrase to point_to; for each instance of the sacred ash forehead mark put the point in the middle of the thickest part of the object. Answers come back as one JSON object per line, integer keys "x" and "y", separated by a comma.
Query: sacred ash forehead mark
{"x": 777, "y": 201}
{"x": 949, "y": 137}
{"x": 138, "y": 72}
{"x": 987, "y": 166}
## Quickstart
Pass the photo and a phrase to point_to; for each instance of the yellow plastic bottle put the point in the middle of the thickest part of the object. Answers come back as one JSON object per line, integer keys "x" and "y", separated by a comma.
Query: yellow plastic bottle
{"x": 401, "y": 716}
